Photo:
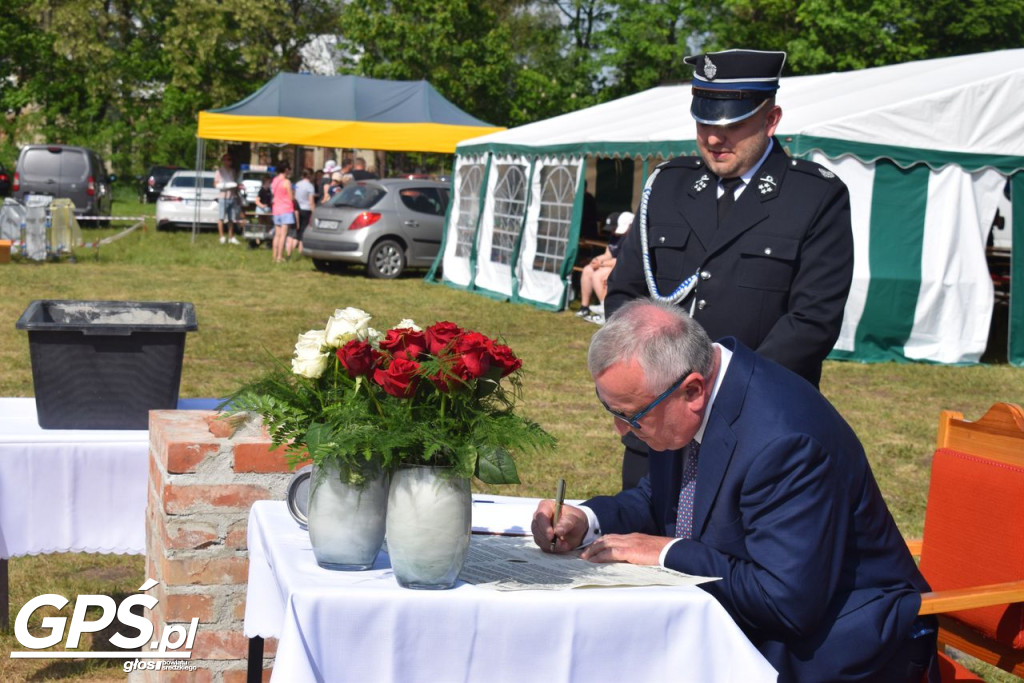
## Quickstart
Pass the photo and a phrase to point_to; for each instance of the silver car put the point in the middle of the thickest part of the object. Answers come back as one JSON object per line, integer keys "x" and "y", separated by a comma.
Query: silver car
{"x": 387, "y": 225}
{"x": 177, "y": 203}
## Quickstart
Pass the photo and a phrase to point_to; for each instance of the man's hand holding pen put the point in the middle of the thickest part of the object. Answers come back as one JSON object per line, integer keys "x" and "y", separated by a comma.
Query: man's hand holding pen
{"x": 562, "y": 537}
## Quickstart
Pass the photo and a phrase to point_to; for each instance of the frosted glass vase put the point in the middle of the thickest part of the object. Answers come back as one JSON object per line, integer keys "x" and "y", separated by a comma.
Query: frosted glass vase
{"x": 429, "y": 521}
{"x": 346, "y": 521}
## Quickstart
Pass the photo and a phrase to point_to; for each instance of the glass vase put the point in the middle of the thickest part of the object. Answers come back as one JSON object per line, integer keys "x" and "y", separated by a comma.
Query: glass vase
{"x": 429, "y": 521}
{"x": 346, "y": 516}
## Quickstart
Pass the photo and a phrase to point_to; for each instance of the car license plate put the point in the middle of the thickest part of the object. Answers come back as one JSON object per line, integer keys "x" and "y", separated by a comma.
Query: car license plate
{"x": 327, "y": 225}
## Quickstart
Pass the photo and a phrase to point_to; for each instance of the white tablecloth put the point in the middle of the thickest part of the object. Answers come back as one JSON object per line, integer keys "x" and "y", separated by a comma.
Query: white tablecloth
{"x": 71, "y": 490}
{"x": 360, "y": 626}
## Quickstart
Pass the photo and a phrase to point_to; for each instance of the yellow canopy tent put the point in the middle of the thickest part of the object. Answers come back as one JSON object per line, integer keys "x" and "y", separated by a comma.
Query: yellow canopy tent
{"x": 345, "y": 111}
{"x": 340, "y": 111}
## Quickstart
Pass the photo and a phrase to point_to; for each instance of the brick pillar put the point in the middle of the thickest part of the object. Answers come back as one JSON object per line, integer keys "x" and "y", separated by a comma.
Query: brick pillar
{"x": 202, "y": 482}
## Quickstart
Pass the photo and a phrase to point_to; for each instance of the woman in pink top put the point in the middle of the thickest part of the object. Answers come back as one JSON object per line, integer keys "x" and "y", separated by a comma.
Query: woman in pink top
{"x": 283, "y": 208}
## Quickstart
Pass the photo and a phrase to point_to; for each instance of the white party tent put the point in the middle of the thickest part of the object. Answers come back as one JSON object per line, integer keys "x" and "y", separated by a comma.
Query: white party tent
{"x": 925, "y": 147}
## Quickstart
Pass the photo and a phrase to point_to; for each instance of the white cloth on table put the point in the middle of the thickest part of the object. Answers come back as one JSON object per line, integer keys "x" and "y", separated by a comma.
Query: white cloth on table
{"x": 359, "y": 626}
{"x": 71, "y": 490}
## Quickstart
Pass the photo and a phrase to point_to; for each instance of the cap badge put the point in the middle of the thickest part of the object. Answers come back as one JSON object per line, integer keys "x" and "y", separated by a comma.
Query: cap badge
{"x": 701, "y": 183}
{"x": 766, "y": 184}
{"x": 709, "y": 68}
{"x": 825, "y": 173}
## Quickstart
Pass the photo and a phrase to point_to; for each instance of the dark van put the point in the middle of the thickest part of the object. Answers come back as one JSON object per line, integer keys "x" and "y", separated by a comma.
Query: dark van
{"x": 76, "y": 173}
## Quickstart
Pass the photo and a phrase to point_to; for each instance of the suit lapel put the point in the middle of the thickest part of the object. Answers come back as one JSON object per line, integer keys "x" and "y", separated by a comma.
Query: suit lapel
{"x": 719, "y": 444}
{"x": 701, "y": 210}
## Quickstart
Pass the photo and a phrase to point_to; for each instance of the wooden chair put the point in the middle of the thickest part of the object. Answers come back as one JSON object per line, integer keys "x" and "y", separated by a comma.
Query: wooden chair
{"x": 972, "y": 552}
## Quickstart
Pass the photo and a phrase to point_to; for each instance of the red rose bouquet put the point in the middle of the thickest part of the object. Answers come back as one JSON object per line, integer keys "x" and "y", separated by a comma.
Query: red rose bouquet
{"x": 441, "y": 396}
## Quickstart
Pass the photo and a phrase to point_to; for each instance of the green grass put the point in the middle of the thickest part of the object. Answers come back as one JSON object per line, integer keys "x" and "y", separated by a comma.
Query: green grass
{"x": 248, "y": 307}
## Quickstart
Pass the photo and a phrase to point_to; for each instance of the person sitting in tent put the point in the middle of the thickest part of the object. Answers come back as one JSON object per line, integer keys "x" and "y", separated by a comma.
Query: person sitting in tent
{"x": 594, "y": 279}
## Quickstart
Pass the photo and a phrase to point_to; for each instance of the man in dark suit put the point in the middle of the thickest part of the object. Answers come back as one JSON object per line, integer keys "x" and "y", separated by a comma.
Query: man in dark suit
{"x": 754, "y": 478}
{"x": 752, "y": 243}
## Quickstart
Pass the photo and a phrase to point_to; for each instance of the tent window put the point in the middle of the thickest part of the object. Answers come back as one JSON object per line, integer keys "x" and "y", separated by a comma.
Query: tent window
{"x": 509, "y": 209}
{"x": 558, "y": 192}
{"x": 470, "y": 181}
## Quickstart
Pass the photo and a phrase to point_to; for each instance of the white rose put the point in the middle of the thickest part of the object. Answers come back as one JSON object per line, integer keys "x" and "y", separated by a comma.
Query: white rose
{"x": 345, "y": 325}
{"x": 310, "y": 360}
{"x": 371, "y": 336}
{"x": 407, "y": 324}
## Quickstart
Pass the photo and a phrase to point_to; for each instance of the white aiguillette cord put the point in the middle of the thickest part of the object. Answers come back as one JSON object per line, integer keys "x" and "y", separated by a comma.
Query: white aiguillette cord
{"x": 687, "y": 285}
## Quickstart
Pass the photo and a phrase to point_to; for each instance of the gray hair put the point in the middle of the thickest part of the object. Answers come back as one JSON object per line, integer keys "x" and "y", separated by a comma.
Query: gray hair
{"x": 660, "y": 337}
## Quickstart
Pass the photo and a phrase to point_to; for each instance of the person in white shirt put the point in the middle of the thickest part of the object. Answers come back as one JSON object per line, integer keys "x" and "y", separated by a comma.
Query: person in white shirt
{"x": 229, "y": 203}
{"x": 304, "y": 197}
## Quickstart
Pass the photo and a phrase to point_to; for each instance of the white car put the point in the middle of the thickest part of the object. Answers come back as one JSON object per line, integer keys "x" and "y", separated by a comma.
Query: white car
{"x": 252, "y": 180}
{"x": 176, "y": 205}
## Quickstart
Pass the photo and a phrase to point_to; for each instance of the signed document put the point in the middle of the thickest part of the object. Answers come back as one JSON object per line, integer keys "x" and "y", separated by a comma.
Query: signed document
{"x": 510, "y": 563}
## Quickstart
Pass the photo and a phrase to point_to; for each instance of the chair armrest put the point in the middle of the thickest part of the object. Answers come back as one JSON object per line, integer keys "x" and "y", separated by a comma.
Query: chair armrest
{"x": 937, "y": 602}
{"x": 914, "y": 546}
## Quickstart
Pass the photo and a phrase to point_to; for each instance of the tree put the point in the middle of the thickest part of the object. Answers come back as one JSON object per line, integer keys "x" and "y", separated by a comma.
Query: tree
{"x": 840, "y": 35}
{"x": 646, "y": 41}
{"x": 459, "y": 46}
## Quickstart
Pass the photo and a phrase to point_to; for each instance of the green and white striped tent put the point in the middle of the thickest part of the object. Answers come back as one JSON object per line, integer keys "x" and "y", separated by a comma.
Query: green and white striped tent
{"x": 925, "y": 147}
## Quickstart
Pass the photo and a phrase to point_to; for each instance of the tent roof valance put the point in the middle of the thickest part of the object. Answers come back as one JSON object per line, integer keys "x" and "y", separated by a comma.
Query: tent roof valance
{"x": 344, "y": 111}
{"x": 966, "y": 110}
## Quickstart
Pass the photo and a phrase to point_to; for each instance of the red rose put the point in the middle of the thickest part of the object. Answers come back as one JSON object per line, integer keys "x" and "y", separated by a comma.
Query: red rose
{"x": 399, "y": 378}
{"x": 404, "y": 343}
{"x": 502, "y": 357}
{"x": 473, "y": 352}
{"x": 359, "y": 358}
{"x": 441, "y": 335}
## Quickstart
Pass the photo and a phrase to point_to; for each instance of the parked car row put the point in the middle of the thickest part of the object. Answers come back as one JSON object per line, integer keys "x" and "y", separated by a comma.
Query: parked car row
{"x": 386, "y": 225}
{"x": 5, "y": 182}
{"x": 76, "y": 173}
{"x": 152, "y": 184}
{"x": 186, "y": 198}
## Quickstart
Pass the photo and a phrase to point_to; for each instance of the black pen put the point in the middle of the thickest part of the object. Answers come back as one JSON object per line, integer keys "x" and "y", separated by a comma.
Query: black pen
{"x": 559, "y": 500}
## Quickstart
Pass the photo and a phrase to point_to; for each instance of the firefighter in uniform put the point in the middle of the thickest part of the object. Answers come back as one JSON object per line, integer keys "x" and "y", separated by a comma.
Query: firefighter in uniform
{"x": 754, "y": 244}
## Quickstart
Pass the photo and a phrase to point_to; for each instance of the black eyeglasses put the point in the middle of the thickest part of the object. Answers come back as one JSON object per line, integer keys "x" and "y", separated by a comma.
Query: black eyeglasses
{"x": 634, "y": 421}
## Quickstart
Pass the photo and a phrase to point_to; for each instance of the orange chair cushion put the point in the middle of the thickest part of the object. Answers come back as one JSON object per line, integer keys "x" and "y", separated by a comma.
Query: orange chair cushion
{"x": 952, "y": 671}
{"x": 974, "y": 535}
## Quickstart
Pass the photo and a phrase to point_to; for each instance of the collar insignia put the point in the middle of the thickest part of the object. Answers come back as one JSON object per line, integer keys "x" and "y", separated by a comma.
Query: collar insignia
{"x": 709, "y": 68}
{"x": 825, "y": 173}
{"x": 766, "y": 184}
{"x": 701, "y": 183}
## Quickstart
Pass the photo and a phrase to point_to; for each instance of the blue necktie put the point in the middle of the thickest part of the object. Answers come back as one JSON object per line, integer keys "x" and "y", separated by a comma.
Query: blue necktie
{"x": 684, "y": 513}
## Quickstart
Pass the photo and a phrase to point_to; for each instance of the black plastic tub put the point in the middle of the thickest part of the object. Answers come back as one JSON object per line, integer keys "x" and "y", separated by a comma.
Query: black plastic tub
{"x": 105, "y": 364}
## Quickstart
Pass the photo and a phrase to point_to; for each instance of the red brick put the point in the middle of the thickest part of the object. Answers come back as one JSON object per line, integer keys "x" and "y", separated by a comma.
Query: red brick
{"x": 220, "y": 645}
{"x": 237, "y": 538}
{"x": 240, "y": 675}
{"x": 200, "y": 675}
{"x": 181, "y": 535}
{"x": 219, "y": 425}
{"x": 156, "y": 479}
{"x": 184, "y": 499}
{"x": 177, "y": 426}
{"x": 206, "y": 571}
{"x": 183, "y": 456}
{"x": 183, "y": 607}
{"x": 238, "y": 610}
{"x": 257, "y": 456}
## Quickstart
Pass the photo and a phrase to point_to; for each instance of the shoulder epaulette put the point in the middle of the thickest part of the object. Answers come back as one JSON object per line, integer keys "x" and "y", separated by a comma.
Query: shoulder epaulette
{"x": 687, "y": 162}
{"x": 812, "y": 168}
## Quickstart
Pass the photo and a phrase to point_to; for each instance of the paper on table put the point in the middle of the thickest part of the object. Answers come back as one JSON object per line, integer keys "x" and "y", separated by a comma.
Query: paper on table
{"x": 509, "y": 563}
